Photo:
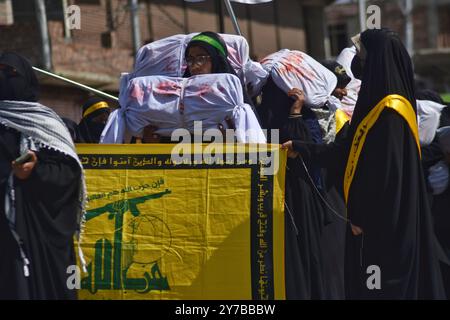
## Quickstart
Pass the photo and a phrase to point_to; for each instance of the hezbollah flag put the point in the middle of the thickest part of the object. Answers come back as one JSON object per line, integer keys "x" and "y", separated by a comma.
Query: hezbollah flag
{"x": 196, "y": 228}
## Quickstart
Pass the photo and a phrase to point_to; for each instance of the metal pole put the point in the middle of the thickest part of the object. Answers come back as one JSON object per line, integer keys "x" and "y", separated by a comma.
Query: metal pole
{"x": 249, "y": 29}
{"x": 220, "y": 16}
{"x": 233, "y": 17}
{"x": 277, "y": 25}
{"x": 362, "y": 14}
{"x": 135, "y": 29}
{"x": 77, "y": 84}
{"x": 67, "y": 33}
{"x": 409, "y": 31}
{"x": 41, "y": 16}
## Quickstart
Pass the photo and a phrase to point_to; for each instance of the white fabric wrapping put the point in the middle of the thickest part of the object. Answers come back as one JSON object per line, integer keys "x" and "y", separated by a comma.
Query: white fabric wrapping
{"x": 438, "y": 177}
{"x": 170, "y": 103}
{"x": 349, "y": 101}
{"x": 428, "y": 116}
{"x": 295, "y": 69}
{"x": 165, "y": 57}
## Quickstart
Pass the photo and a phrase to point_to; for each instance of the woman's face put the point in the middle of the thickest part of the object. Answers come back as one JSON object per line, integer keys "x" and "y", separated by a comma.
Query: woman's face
{"x": 198, "y": 61}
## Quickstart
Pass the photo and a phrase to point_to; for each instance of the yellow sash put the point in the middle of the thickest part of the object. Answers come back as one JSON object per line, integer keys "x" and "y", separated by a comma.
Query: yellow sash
{"x": 393, "y": 101}
{"x": 341, "y": 118}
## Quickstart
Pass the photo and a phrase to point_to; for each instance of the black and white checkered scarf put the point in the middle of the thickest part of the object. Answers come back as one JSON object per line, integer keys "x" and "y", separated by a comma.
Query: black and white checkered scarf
{"x": 43, "y": 128}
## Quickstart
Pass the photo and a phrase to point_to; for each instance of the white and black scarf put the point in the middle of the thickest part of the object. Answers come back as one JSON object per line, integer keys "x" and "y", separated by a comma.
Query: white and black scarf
{"x": 40, "y": 127}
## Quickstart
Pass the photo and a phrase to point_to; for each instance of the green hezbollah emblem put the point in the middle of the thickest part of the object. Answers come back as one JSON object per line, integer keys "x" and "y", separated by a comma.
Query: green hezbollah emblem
{"x": 110, "y": 269}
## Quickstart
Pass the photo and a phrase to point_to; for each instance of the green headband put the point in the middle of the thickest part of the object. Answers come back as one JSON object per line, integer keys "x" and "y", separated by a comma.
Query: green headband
{"x": 216, "y": 44}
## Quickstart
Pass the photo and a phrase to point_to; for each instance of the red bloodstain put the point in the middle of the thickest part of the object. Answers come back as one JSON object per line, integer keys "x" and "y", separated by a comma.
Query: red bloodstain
{"x": 203, "y": 89}
{"x": 137, "y": 92}
{"x": 168, "y": 87}
{"x": 293, "y": 63}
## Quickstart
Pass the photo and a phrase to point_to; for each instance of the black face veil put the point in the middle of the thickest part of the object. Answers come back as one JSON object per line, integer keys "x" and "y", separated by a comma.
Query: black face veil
{"x": 387, "y": 70}
{"x": 20, "y": 86}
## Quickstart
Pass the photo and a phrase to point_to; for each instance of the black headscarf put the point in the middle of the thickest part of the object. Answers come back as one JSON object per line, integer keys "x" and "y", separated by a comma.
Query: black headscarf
{"x": 90, "y": 130}
{"x": 218, "y": 56}
{"x": 20, "y": 87}
{"x": 73, "y": 129}
{"x": 339, "y": 71}
{"x": 430, "y": 95}
{"x": 387, "y": 70}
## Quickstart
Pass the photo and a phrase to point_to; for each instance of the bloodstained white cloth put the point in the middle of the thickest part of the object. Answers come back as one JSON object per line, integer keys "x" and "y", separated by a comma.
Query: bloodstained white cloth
{"x": 295, "y": 69}
{"x": 170, "y": 103}
{"x": 165, "y": 57}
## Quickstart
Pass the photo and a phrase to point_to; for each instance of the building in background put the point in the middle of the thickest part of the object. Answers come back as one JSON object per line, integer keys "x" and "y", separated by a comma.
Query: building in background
{"x": 97, "y": 53}
{"x": 430, "y": 28}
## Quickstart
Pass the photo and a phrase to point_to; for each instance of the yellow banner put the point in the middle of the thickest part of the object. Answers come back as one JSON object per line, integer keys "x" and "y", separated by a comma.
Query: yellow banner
{"x": 197, "y": 229}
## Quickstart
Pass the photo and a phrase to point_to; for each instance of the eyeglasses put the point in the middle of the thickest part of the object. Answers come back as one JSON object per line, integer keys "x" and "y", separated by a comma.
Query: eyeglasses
{"x": 199, "y": 60}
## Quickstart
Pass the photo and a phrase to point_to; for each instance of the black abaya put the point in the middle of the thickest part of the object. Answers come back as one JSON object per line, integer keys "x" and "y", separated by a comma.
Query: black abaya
{"x": 305, "y": 216}
{"x": 46, "y": 220}
{"x": 387, "y": 197}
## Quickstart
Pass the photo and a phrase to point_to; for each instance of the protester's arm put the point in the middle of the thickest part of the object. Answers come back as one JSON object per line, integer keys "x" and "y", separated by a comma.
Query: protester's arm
{"x": 325, "y": 155}
{"x": 54, "y": 180}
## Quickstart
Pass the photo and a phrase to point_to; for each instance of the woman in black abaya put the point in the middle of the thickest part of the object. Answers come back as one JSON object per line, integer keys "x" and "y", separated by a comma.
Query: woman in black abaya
{"x": 36, "y": 238}
{"x": 304, "y": 213}
{"x": 391, "y": 251}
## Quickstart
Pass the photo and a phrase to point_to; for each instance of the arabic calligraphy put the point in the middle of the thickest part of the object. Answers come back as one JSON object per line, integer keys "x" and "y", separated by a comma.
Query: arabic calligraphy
{"x": 154, "y": 185}
{"x": 117, "y": 162}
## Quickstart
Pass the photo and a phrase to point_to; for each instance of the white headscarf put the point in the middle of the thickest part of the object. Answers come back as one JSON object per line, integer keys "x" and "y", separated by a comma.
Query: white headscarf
{"x": 428, "y": 116}
{"x": 348, "y": 102}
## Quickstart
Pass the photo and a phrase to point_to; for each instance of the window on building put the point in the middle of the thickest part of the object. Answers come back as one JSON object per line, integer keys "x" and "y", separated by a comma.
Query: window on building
{"x": 6, "y": 13}
{"x": 338, "y": 38}
{"x": 444, "y": 26}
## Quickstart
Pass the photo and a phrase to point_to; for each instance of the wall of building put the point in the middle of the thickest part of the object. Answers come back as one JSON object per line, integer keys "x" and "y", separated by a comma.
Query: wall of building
{"x": 102, "y": 49}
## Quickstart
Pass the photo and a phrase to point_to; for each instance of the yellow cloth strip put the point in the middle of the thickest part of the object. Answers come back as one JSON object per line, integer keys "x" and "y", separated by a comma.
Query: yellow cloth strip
{"x": 341, "y": 119}
{"x": 395, "y": 102}
{"x": 95, "y": 107}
